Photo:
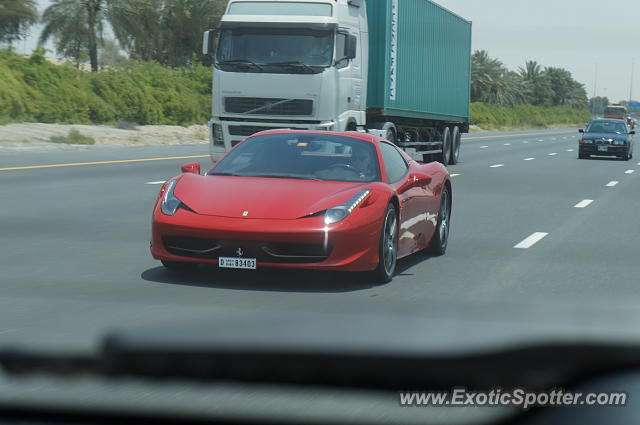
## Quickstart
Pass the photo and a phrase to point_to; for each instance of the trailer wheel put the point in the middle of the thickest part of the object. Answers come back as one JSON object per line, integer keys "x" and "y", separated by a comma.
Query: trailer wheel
{"x": 455, "y": 145}
{"x": 444, "y": 156}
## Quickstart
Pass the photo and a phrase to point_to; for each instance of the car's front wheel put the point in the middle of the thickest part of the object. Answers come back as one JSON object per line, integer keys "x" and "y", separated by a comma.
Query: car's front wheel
{"x": 388, "y": 251}
{"x": 179, "y": 266}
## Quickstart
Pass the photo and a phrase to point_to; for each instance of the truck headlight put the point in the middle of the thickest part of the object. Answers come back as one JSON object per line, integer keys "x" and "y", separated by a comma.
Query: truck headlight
{"x": 342, "y": 211}
{"x": 217, "y": 135}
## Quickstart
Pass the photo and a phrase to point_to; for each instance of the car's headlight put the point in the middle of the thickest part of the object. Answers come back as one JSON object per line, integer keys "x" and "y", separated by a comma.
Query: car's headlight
{"x": 170, "y": 202}
{"x": 619, "y": 142}
{"x": 342, "y": 211}
{"x": 588, "y": 141}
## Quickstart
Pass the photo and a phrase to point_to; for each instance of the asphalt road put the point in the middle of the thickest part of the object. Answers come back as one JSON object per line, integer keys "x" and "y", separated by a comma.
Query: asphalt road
{"x": 75, "y": 262}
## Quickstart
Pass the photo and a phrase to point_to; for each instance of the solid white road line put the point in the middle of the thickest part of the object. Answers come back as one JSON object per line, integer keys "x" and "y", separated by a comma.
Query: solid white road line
{"x": 630, "y": 171}
{"x": 612, "y": 183}
{"x": 158, "y": 182}
{"x": 497, "y": 166}
{"x": 531, "y": 240}
{"x": 553, "y": 154}
{"x": 529, "y": 159}
{"x": 584, "y": 204}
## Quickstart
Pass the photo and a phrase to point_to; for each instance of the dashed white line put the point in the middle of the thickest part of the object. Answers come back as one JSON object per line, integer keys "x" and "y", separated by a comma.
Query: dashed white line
{"x": 529, "y": 159}
{"x": 612, "y": 183}
{"x": 526, "y": 141}
{"x": 569, "y": 150}
{"x": 630, "y": 171}
{"x": 553, "y": 154}
{"x": 583, "y": 204}
{"x": 507, "y": 144}
{"x": 541, "y": 140}
{"x": 454, "y": 175}
{"x": 497, "y": 166}
{"x": 158, "y": 182}
{"x": 531, "y": 240}
{"x": 554, "y": 138}
{"x": 483, "y": 147}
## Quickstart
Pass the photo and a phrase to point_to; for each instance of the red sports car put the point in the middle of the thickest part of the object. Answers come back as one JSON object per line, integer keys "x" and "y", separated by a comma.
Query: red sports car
{"x": 303, "y": 199}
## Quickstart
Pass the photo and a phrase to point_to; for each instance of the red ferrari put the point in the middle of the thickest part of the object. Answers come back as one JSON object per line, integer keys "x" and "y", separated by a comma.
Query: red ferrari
{"x": 303, "y": 199}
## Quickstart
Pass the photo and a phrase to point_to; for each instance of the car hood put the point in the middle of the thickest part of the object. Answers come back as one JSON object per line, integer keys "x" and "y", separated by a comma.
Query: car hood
{"x": 605, "y": 136}
{"x": 261, "y": 198}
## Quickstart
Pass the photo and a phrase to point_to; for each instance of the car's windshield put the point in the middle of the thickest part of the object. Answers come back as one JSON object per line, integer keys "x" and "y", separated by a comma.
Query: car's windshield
{"x": 302, "y": 156}
{"x": 607, "y": 127}
{"x": 276, "y": 45}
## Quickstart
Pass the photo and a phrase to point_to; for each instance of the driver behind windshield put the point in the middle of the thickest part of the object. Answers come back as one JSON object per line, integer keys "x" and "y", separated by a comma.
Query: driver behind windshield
{"x": 362, "y": 162}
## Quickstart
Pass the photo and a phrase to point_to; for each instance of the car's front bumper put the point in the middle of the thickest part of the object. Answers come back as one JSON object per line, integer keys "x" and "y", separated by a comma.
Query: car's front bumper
{"x": 611, "y": 150}
{"x": 304, "y": 243}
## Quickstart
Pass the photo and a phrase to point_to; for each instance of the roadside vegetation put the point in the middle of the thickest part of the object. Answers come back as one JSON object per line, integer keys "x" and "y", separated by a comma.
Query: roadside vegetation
{"x": 150, "y": 72}
{"x": 74, "y": 137}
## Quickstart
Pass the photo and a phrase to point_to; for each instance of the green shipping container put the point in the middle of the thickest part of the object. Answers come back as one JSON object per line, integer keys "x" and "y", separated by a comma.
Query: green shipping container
{"x": 419, "y": 61}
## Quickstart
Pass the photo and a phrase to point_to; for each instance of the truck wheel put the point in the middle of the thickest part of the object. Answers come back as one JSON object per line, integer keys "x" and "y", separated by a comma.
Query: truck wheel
{"x": 446, "y": 147}
{"x": 390, "y": 136}
{"x": 455, "y": 145}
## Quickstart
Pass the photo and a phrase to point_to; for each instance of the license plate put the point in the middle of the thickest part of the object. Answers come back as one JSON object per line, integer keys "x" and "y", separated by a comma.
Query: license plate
{"x": 603, "y": 148}
{"x": 237, "y": 263}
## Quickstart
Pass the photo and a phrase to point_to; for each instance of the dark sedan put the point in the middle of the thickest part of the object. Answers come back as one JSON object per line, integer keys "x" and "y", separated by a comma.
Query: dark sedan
{"x": 610, "y": 137}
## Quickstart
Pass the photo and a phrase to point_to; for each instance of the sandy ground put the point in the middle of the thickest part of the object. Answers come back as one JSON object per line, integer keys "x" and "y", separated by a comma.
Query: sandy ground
{"x": 30, "y": 136}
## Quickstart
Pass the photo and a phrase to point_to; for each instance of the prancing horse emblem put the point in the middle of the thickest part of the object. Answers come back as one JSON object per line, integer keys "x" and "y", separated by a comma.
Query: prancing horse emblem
{"x": 245, "y": 214}
{"x": 239, "y": 252}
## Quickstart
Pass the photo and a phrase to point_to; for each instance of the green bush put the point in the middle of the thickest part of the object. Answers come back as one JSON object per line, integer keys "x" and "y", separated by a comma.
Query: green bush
{"x": 495, "y": 116}
{"x": 74, "y": 137}
{"x": 32, "y": 89}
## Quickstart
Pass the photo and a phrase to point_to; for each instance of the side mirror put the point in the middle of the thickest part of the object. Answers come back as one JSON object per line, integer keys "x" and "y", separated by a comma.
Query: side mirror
{"x": 208, "y": 41}
{"x": 193, "y": 168}
{"x": 581, "y": 130}
{"x": 350, "y": 47}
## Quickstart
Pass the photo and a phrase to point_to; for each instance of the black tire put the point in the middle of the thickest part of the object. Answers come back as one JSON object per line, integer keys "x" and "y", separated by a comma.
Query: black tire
{"x": 440, "y": 239}
{"x": 388, "y": 250}
{"x": 456, "y": 137}
{"x": 582, "y": 155}
{"x": 626, "y": 156}
{"x": 179, "y": 266}
{"x": 444, "y": 156}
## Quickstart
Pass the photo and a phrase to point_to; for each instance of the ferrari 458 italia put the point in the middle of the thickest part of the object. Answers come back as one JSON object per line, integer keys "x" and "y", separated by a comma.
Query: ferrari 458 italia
{"x": 301, "y": 199}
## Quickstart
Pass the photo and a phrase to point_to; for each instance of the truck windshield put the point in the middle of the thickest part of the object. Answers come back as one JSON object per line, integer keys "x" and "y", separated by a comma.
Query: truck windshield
{"x": 276, "y": 46}
{"x": 615, "y": 111}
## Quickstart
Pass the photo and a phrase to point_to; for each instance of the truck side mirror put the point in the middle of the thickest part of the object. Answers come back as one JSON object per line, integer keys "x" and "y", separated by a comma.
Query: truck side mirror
{"x": 208, "y": 41}
{"x": 350, "y": 47}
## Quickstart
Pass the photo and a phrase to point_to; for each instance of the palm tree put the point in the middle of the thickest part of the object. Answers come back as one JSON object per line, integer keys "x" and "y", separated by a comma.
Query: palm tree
{"x": 492, "y": 82}
{"x": 16, "y": 16}
{"x": 76, "y": 26}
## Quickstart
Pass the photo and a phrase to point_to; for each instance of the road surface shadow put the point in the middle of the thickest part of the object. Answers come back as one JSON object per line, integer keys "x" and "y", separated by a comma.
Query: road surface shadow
{"x": 275, "y": 280}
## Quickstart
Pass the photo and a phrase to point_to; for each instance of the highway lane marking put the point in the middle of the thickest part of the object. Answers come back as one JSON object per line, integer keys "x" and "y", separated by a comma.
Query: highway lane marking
{"x": 455, "y": 175}
{"x": 541, "y": 140}
{"x": 569, "y": 150}
{"x": 158, "y": 182}
{"x": 612, "y": 183}
{"x": 483, "y": 147}
{"x": 554, "y": 138}
{"x": 507, "y": 144}
{"x": 583, "y": 204}
{"x": 531, "y": 240}
{"x": 121, "y": 161}
{"x": 526, "y": 141}
{"x": 508, "y": 135}
{"x": 553, "y": 154}
{"x": 630, "y": 171}
{"x": 529, "y": 159}
{"x": 497, "y": 166}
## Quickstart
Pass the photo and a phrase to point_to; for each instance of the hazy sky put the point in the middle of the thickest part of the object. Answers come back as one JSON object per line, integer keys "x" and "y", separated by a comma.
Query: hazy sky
{"x": 572, "y": 34}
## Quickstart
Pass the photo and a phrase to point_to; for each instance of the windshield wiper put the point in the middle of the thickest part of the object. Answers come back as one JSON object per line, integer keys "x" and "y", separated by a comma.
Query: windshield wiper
{"x": 295, "y": 64}
{"x": 241, "y": 62}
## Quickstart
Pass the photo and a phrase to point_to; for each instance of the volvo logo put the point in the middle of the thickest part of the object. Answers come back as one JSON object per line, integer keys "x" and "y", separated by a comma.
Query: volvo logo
{"x": 240, "y": 252}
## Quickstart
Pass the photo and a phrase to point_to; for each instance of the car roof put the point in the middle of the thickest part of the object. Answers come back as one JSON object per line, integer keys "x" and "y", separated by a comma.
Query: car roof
{"x": 614, "y": 120}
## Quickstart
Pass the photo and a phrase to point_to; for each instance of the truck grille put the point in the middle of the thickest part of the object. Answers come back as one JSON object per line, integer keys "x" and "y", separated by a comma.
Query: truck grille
{"x": 268, "y": 106}
{"x": 248, "y": 130}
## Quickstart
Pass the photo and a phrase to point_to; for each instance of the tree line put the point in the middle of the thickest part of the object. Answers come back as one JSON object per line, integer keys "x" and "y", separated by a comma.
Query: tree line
{"x": 165, "y": 31}
{"x": 493, "y": 83}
